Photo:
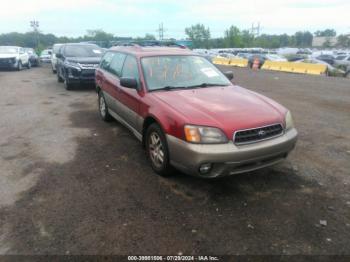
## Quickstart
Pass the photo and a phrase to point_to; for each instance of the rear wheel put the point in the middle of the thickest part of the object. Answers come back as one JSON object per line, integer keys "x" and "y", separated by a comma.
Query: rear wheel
{"x": 157, "y": 150}
{"x": 19, "y": 66}
{"x": 103, "y": 108}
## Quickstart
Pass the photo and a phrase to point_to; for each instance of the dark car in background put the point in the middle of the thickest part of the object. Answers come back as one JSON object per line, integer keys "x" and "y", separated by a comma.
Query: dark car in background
{"x": 33, "y": 57}
{"x": 76, "y": 64}
{"x": 326, "y": 58}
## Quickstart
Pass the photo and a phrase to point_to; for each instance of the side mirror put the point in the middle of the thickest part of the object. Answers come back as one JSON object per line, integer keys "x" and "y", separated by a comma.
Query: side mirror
{"x": 129, "y": 82}
{"x": 229, "y": 75}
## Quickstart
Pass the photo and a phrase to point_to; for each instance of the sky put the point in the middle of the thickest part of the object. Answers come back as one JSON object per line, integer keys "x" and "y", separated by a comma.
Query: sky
{"x": 138, "y": 17}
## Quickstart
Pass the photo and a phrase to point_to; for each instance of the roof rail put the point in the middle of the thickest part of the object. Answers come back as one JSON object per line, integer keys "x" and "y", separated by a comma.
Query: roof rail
{"x": 153, "y": 43}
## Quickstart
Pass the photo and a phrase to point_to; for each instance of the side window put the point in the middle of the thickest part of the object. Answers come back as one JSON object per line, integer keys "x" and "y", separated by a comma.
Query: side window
{"x": 116, "y": 64}
{"x": 130, "y": 68}
{"x": 106, "y": 60}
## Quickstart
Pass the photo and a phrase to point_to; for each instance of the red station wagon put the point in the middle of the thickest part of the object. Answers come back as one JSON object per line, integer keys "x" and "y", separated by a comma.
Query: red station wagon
{"x": 189, "y": 115}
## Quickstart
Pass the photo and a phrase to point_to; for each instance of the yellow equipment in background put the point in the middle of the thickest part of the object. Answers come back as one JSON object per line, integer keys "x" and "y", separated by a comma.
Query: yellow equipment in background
{"x": 293, "y": 67}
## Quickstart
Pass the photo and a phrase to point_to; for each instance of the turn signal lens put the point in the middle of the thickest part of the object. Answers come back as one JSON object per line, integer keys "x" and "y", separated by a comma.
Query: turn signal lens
{"x": 192, "y": 134}
{"x": 204, "y": 135}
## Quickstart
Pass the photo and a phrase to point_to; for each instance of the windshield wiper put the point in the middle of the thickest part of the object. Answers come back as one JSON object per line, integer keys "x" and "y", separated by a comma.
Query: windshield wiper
{"x": 168, "y": 88}
{"x": 205, "y": 85}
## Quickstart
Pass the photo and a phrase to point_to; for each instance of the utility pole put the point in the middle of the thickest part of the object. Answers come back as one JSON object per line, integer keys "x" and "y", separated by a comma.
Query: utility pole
{"x": 256, "y": 30}
{"x": 35, "y": 25}
{"x": 161, "y": 31}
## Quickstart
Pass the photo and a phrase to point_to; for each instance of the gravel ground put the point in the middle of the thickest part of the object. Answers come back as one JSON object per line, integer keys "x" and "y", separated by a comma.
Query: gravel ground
{"x": 72, "y": 184}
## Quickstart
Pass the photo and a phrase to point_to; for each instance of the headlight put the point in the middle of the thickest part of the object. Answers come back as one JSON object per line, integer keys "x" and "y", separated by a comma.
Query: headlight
{"x": 204, "y": 135}
{"x": 73, "y": 65}
{"x": 289, "y": 121}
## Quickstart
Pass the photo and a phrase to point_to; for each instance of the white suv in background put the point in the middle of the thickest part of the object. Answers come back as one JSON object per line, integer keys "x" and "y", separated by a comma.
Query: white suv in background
{"x": 55, "y": 49}
{"x": 14, "y": 57}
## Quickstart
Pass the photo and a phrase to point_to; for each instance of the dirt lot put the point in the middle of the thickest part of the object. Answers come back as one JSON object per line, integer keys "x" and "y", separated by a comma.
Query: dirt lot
{"x": 72, "y": 184}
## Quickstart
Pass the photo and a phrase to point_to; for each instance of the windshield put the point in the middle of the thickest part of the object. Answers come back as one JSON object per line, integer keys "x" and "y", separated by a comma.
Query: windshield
{"x": 29, "y": 50}
{"x": 83, "y": 51}
{"x": 56, "y": 48}
{"x": 180, "y": 71}
{"x": 8, "y": 50}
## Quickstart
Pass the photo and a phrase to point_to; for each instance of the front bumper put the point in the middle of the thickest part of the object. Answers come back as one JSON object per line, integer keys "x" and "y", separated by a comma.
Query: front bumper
{"x": 229, "y": 159}
{"x": 6, "y": 64}
{"x": 84, "y": 76}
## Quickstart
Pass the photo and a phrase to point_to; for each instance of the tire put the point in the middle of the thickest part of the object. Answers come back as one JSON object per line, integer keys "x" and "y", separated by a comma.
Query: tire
{"x": 103, "y": 108}
{"x": 347, "y": 75}
{"x": 157, "y": 150}
{"x": 59, "y": 78}
{"x": 19, "y": 66}
{"x": 29, "y": 65}
{"x": 67, "y": 85}
{"x": 54, "y": 71}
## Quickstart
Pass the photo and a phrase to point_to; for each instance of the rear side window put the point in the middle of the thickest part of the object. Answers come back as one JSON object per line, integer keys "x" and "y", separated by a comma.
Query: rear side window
{"x": 106, "y": 60}
{"x": 116, "y": 64}
{"x": 130, "y": 68}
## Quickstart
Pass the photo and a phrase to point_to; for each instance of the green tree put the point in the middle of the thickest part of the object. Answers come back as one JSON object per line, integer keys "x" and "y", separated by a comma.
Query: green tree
{"x": 327, "y": 33}
{"x": 199, "y": 35}
{"x": 303, "y": 39}
{"x": 343, "y": 41}
{"x": 233, "y": 37}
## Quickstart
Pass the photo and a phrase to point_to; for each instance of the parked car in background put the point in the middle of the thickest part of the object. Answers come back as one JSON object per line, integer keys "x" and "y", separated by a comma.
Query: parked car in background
{"x": 76, "y": 63}
{"x": 33, "y": 57}
{"x": 45, "y": 56}
{"x": 55, "y": 49}
{"x": 13, "y": 57}
{"x": 347, "y": 74}
{"x": 276, "y": 58}
{"x": 189, "y": 115}
{"x": 326, "y": 58}
{"x": 342, "y": 61}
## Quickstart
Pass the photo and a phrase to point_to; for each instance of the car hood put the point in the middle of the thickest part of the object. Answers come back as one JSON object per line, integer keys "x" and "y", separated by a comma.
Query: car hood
{"x": 84, "y": 60}
{"x": 230, "y": 108}
{"x": 8, "y": 55}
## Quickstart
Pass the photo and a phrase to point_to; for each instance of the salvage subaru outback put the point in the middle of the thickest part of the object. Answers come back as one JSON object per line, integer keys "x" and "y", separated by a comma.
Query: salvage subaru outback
{"x": 188, "y": 115}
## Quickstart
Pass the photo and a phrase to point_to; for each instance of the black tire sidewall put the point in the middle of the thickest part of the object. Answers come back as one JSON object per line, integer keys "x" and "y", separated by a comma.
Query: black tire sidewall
{"x": 19, "y": 67}
{"x": 166, "y": 169}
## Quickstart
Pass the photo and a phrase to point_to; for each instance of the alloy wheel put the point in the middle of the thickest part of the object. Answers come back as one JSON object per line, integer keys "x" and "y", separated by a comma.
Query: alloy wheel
{"x": 156, "y": 150}
{"x": 102, "y": 107}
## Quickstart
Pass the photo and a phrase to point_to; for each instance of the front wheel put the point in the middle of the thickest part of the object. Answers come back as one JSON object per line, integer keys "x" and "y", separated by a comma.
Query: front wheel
{"x": 59, "y": 78}
{"x": 67, "y": 85}
{"x": 29, "y": 65}
{"x": 19, "y": 66}
{"x": 157, "y": 150}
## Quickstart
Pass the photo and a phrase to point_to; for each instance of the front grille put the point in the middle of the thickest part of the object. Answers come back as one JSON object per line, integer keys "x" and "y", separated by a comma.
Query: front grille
{"x": 88, "y": 72}
{"x": 88, "y": 66}
{"x": 257, "y": 134}
{"x": 6, "y": 61}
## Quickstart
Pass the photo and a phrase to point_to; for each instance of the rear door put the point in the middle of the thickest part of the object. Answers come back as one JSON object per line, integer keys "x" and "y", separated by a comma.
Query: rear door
{"x": 101, "y": 78}
{"x": 130, "y": 98}
{"x": 111, "y": 82}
